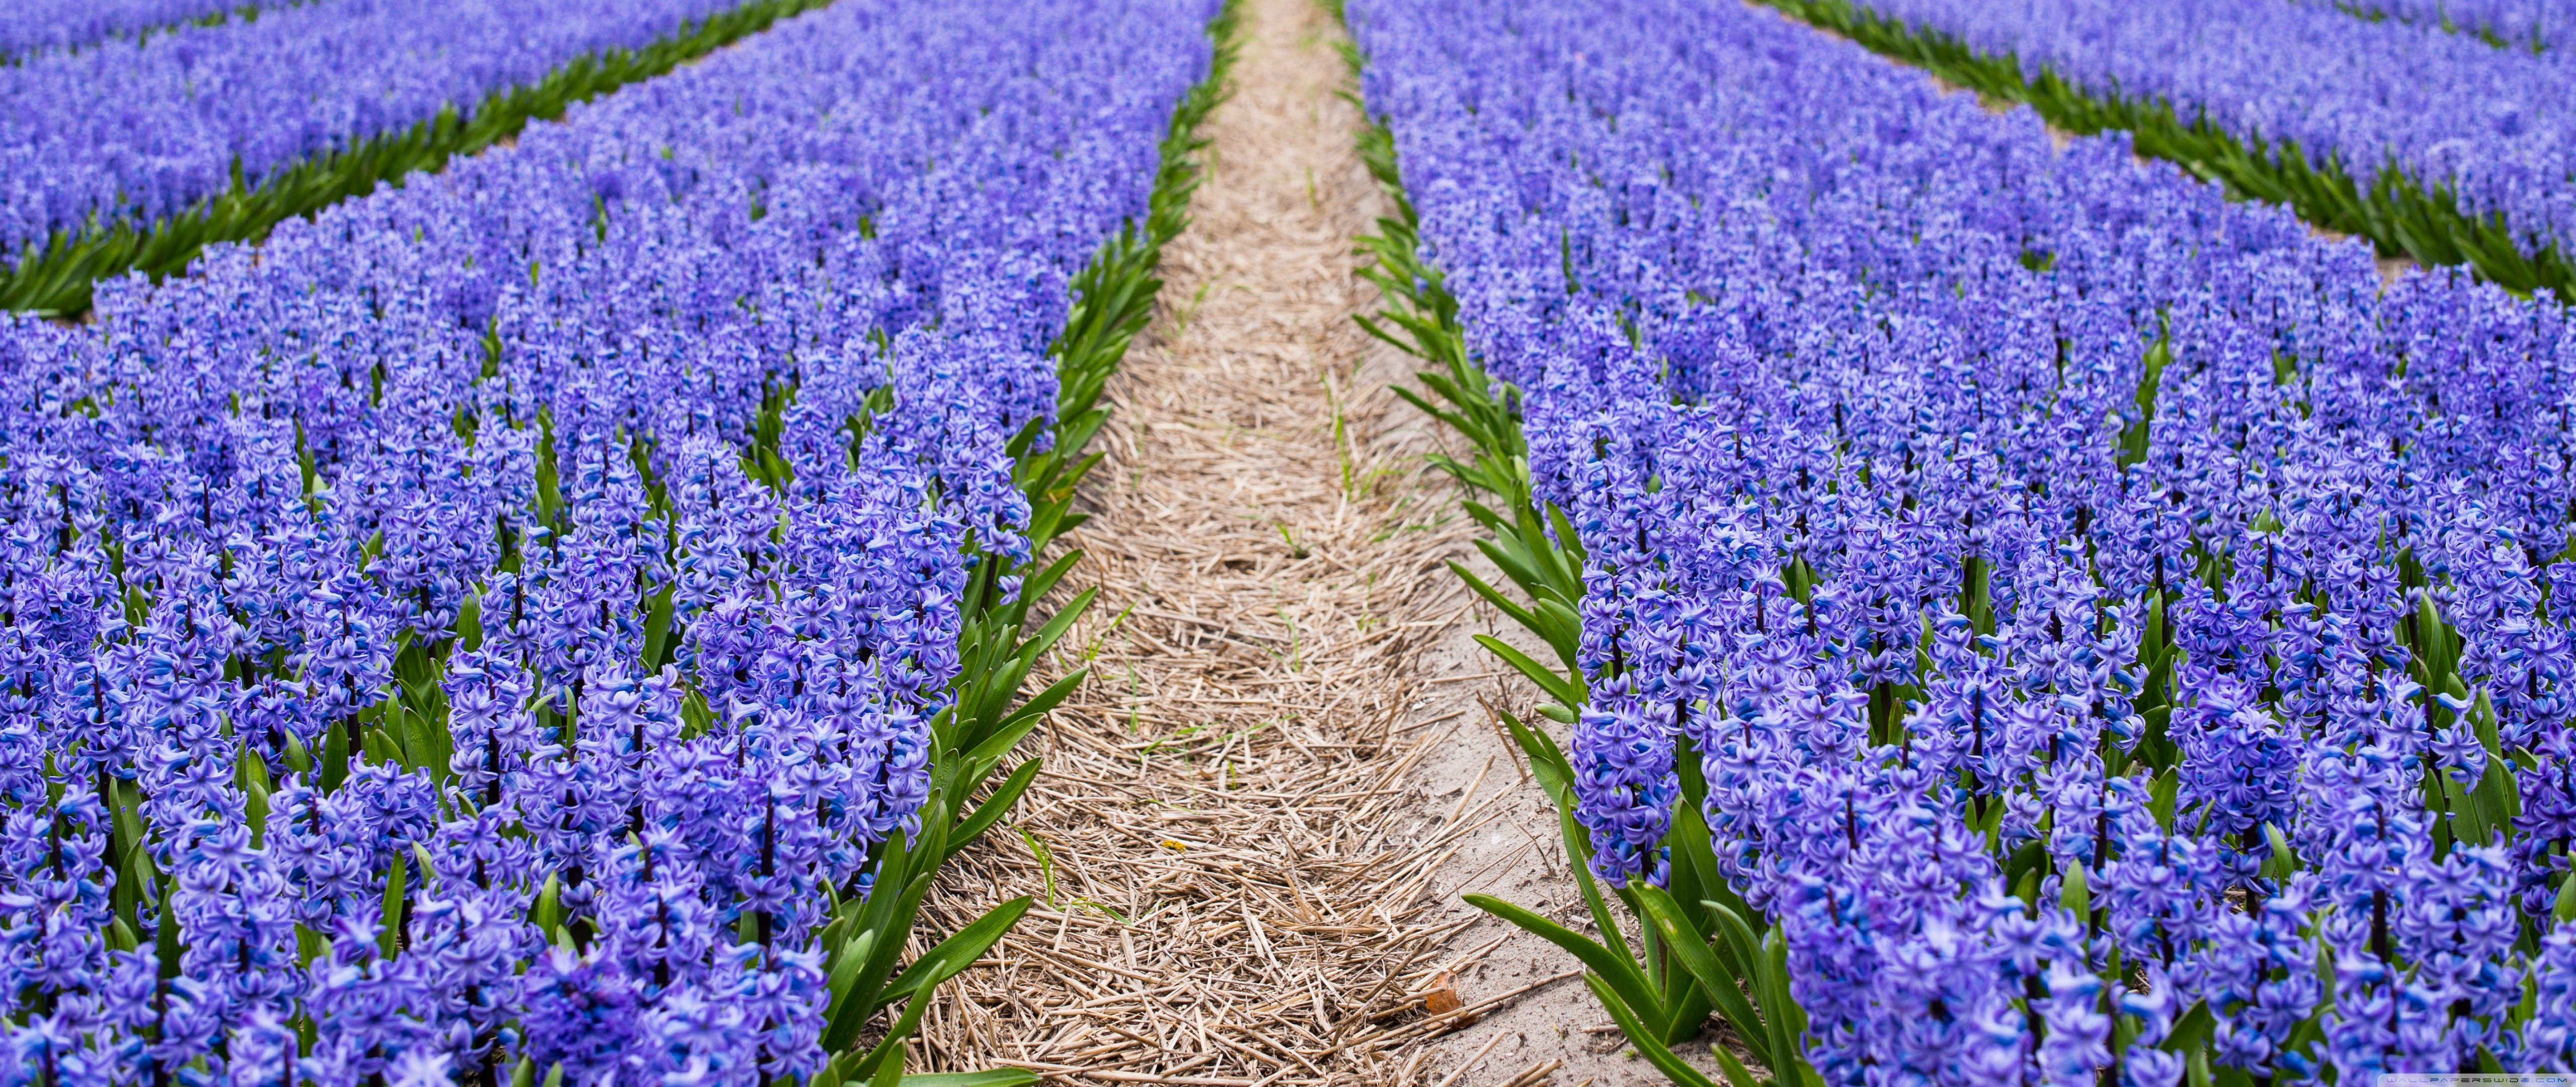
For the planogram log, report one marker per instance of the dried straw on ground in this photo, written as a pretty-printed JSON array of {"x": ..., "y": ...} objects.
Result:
[{"x": 1236, "y": 883}]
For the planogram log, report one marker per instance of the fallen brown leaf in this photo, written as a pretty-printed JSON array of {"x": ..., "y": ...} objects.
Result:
[{"x": 1443, "y": 996}]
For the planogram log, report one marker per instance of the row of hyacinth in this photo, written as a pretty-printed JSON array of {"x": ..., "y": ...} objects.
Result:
[
  {"x": 2521, "y": 24},
  {"x": 137, "y": 130},
  {"x": 2494, "y": 127},
  {"x": 2093, "y": 605},
  {"x": 36, "y": 25},
  {"x": 488, "y": 625}
]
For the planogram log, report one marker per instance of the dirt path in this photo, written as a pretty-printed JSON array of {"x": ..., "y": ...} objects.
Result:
[
  {"x": 1243, "y": 876},
  {"x": 1259, "y": 812}
]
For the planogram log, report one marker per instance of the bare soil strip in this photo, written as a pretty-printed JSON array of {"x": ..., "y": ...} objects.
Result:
[{"x": 1244, "y": 874}]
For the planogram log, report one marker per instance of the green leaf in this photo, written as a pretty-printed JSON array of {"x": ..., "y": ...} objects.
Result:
[
  {"x": 547, "y": 912},
  {"x": 852, "y": 955},
  {"x": 994, "y": 807},
  {"x": 1685, "y": 943},
  {"x": 1769, "y": 989},
  {"x": 168, "y": 946},
  {"x": 1567, "y": 691},
  {"x": 1035, "y": 586},
  {"x": 1623, "y": 975},
  {"x": 1518, "y": 614},
  {"x": 1061, "y": 622},
  {"x": 1563, "y": 629},
  {"x": 1736, "y": 1074},
  {"x": 866, "y": 985},
  {"x": 1036, "y": 705},
  {"x": 1780, "y": 1011},
  {"x": 889, "y": 1049},
  {"x": 890, "y": 1066},
  {"x": 953, "y": 955},
  {"x": 1569, "y": 544},
  {"x": 1648, "y": 1045},
  {"x": 390, "y": 934},
  {"x": 1548, "y": 763},
  {"x": 2073, "y": 894},
  {"x": 657, "y": 632}
]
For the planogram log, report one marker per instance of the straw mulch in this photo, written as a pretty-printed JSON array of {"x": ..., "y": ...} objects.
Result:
[{"x": 1235, "y": 874}]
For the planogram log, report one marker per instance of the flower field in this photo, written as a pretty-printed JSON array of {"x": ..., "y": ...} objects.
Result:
[
  {"x": 495, "y": 628},
  {"x": 2021, "y": 616},
  {"x": 71, "y": 24},
  {"x": 2519, "y": 24},
  {"x": 136, "y": 157},
  {"x": 2439, "y": 145},
  {"x": 535, "y": 537}
]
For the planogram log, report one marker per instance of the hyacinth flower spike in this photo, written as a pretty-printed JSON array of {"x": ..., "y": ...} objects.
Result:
[
  {"x": 1693, "y": 954},
  {"x": 464, "y": 714},
  {"x": 2065, "y": 662}
]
